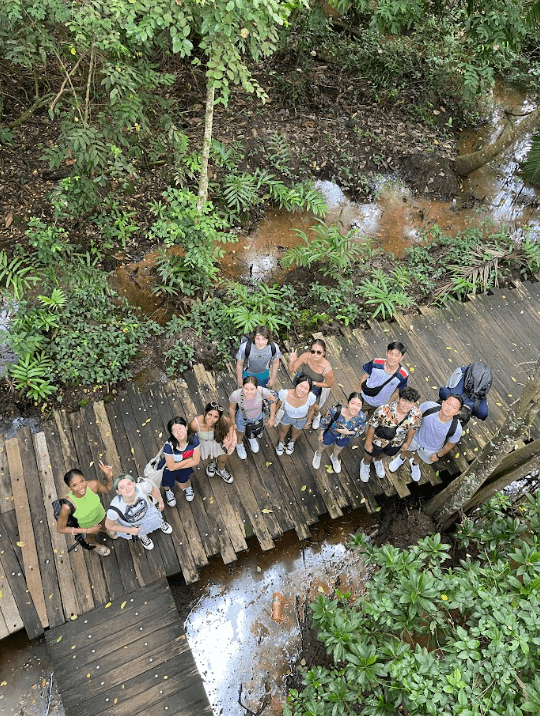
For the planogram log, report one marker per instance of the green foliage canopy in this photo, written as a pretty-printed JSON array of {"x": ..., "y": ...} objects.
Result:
[{"x": 425, "y": 640}]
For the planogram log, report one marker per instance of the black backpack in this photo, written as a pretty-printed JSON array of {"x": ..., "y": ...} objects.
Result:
[
  {"x": 477, "y": 382},
  {"x": 247, "y": 340},
  {"x": 335, "y": 417},
  {"x": 71, "y": 522}
]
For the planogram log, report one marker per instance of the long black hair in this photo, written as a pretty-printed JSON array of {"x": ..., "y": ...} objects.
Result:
[{"x": 178, "y": 420}]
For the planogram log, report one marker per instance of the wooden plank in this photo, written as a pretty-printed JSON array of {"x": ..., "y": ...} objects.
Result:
[
  {"x": 42, "y": 536},
  {"x": 98, "y": 583},
  {"x": 187, "y": 540},
  {"x": 124, "y": 554},
  {"x": 11, "y": 567},
  {"x": 111, "y": 565},
  {"x": 64, "y": 573},
  {"x": 26, "y": 529},
  {"x": 204, "y": 502},
  {"x": 11, "y": 620},
  {"x": 163, "y": 544},
  {"x": 6, "y": 493},
  {"x": 53, "y": 437},
  {"x": 217, "y": 491},
  {"x": 205, "y": 523},
  {"x": 101, "y": 622}
]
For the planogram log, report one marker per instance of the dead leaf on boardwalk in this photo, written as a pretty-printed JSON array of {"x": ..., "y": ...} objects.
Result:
[
  {"x": 123, "y": 605},
  {"x": 266, "y": 512},
  {"x": 328, "y": 468},
  {"x": 355, "y": 447},
  {"x": 20, "y": 544},
  {"x": 268, "y": 464},
  {"x": 108, "y": 605},
  {"x": 59, "y": 639},
  {"x": 73, "y": 617},
  {"x": 303, "y": 488}
]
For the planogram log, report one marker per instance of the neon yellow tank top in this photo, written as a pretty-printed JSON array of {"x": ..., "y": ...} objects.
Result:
[{"x": 88, "y": 509}]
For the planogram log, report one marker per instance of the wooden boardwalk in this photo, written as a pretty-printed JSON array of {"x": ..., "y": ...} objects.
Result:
[
  {"x": 128, "y": 657},
  {"x": 43, "y": 585}
]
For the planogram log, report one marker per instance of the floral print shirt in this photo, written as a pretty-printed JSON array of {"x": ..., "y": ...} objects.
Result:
[
  {"x": 356, "y": 424},
  {"x": 386, "y": 416}
]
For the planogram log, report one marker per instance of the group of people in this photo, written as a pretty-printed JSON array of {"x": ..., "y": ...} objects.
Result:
[{"x": 383, "y": 406}]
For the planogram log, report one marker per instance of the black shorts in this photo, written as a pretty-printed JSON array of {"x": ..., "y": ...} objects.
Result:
[{"x": 388, "y": 450}]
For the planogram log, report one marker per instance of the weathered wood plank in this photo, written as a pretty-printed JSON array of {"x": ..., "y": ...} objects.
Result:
[
  {"x": 6, "y": 493},
  {"x": 26, "y": 529},
  {"x": 64, "y": 572}
]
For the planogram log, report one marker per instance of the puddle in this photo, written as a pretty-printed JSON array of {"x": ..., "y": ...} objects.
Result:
[
  {"x": 25, "y": 678},
  {"x": 230, "y": 629}
]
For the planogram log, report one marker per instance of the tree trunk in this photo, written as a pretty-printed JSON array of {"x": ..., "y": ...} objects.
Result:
[
  {"x": 468, "y": 163},
  {"x": 207, "y": 141},
  {"x": 445, "y": 507}
]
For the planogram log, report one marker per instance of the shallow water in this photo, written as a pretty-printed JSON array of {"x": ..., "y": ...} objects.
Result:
[{"x": 230, "y": 630}]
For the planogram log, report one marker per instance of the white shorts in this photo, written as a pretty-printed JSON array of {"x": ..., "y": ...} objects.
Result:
[{"x": 423, "y": 454}]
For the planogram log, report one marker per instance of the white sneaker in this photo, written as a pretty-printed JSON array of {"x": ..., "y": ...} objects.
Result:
[
  {"x": 146, "y": 542},
  {"x": 379, "y": 468},
  {"x": 165, "y": 528},
  {"x": 396, "y": 463},
  {"x": 225, "y": 476},
  {"x": 241, "y": 451},
  {"x": 316, "y": 422},
  {"x": 336, "y": 465},
  {"x": 170, "y": 499},
  {"x": 415, "y": 470},
  {"x": 253, "y": 444},
  {"x": 316, "y": 462},
  {"x": 280, "y": 448},
  {"x": 211, "y": 469},
  {"x": 290, "y": 448},
  {"x": 364, "y": 471},
  {"x": 189, "y": 493}
]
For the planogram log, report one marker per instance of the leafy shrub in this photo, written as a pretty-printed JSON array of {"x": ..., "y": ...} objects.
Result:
[
  {"x": 431, "y": 641},
  {"x": 383, "y": 295},
  {"x": 332, "y": 251},
  {"x": 270, "y": 306},
  {"x": 180, "y": 357}
]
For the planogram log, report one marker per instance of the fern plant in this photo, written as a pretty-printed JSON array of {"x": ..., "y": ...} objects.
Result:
[
  {"x": 32, "y": 375},
  {"x": 270, "y": 306},
  {"x": 16, "y": 276},
  {"x": 333, "y": 252},
  {"x": 383, "y": 295}
]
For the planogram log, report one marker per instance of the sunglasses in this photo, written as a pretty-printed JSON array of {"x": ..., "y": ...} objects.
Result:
[
  {"x": 316, "y": 353},
  {"x": 216, "y": 406}
]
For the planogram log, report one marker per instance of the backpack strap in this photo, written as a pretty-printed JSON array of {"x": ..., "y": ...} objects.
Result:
[
  {"x": 247, "y": 351},
  {"x": 453, "y": 425},
  {"x": 119, "y": 512},
  {"x": 380, "y": 387},
  {"x": 335, "y": 417}
]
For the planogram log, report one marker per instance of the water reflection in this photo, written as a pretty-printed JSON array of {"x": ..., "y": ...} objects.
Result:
[{"x": 230, "y": 629}]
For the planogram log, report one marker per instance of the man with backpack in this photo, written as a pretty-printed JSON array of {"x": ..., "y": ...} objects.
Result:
[
  {"x": 439, "y": 432},
  {"x": 258, "y": 356},
  {"x": 383, "y": 378},
  {"x": 472, "y": 382}
]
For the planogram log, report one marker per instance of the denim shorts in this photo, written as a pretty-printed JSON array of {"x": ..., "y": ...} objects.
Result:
[
  {"x": 297, "y": 423},
  {"x": 241, "y": 423},
  {"x": 331, "y": 438}
]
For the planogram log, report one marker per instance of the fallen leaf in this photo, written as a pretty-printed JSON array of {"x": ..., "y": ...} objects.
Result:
[
  {"x": 268, "y": 464},
  {"x": 8, "y": 220},
  {"x": 73, "y": 617},
  {"x": 320, "y": 589},
  {"x": 266, "y": 512},
  {"x": 303, "y": 488},
  {"x": 123, "y": 605},
  {"x": 59, "y": 639},
  {"x": 107, "y": 605},
  {"x": 20, "y": 544}
]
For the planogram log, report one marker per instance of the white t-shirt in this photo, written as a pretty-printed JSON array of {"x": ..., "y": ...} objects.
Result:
[{"x": 432, "y": 432}]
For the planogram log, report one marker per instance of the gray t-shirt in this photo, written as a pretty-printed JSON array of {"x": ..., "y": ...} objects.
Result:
[
  {"x": 134, "y": 514},
  {"x": 259, "y": 359},
  {"x": 432, "y": 433}
]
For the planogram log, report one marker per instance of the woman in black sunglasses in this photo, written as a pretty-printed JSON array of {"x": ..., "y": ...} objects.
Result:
[
  {"x": 217, "y": 437},
  {"x": 315, "y": 365}
]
